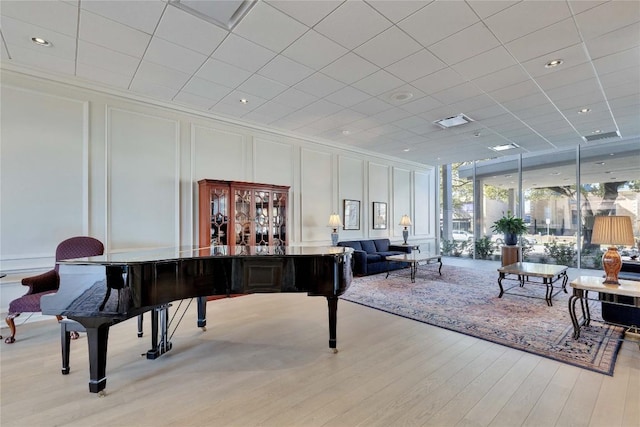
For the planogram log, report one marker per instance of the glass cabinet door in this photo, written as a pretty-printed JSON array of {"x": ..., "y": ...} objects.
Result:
[
  {"x": 219, "y": 200},
  {"x": 243, "y": 217},
  {"x": 261, "y": 219},
  {"x": 279, "y": 219}
]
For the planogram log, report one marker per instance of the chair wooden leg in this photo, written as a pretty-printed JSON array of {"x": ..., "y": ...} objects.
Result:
[{"x": 12, "y": 327}]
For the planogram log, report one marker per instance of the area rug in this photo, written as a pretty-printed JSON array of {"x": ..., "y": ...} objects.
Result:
[{"x": 466, "y": 301}]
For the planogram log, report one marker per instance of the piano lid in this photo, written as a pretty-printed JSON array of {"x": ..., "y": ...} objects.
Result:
[{"x": 193, "y": 252}]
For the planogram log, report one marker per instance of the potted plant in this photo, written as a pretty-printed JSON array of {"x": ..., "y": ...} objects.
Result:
[{"x": 511, "y": 227}]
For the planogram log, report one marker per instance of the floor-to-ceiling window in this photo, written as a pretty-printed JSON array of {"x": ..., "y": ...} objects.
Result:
[{"x": 557, "y": 208}]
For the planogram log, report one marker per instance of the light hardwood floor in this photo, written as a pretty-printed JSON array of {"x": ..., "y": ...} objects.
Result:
[{"x": 264, "y": 360}]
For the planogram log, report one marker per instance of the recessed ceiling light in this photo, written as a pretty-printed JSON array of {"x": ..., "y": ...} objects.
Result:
[
  {"x": 406, "y": 149},
  {"x": 452, "y": 121},
  {"x": 584, "y": 110},
  {"x": 244, "y": 101},
  {"x": 504, "y": 147},
  {"x": 41, "y": 42},
  {"x": 596, "y": 131},
  {"x": 401, "y": 96},
  {"x": 553, "y": 63}
]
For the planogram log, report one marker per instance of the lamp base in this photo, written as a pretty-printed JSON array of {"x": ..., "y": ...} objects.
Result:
[
  {"x": 405, "y": 235},
  {"x": 612, "y": 264},
  {"x": 334, "y": 239}
]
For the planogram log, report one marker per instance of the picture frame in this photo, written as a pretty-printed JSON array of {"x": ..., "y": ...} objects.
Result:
[
  {"x": 379, "y": 220},
  {"x": 351, "y": 214}
]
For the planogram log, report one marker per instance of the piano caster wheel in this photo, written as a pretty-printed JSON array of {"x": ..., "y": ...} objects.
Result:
[
  {"x": 204, "y": 329},
  {"x": 335, "y": 350},
  {"x": 102, "y": 393},
  {"x": 65, "y": 371}
]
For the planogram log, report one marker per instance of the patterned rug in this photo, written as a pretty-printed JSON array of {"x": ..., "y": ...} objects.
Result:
[{"x": 466, "y": 301}]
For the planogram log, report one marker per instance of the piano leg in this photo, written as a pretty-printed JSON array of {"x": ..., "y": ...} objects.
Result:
[
  {"x": 202, "y": 313},
  {"x": 97, "y": 338},
  {"x": 333, "y": 320},
  {"x": 159, "y": 347}
]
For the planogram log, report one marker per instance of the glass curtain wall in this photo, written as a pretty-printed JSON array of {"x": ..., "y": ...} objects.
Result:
[
  {"x": 456, "y": 211},
  {"x": 557, "y": 208}
]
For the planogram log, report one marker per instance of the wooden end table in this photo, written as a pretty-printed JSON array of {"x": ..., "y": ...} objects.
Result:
[
  {"x": 549, "y": 273},
  {"x": 608, "y": 293}
]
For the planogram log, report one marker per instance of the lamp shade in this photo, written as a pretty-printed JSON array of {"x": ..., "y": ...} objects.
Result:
[
  {"x": 334, "y": 221},
  {"x": 405, "y": 221},
  {"x": 612, "y": 230}
]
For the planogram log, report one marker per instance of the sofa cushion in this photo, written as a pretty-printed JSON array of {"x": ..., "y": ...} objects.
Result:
[
  {"x": 390, "y": 253},
  {"x": 368, "y": 246},
  {"x": 382, "y": 245},
  {"x": 374, "y": 258}
]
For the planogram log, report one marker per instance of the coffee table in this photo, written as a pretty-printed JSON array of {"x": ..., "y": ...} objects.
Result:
[
  {"x": 548, "y": 273},
  {"x": 415, "y": 259}
]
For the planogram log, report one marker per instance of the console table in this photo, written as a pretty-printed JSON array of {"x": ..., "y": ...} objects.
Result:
[
  {"x": 415, "y": 259},
  {"x": 608, "y": 293},
  {"x": 549, "y": 273}
]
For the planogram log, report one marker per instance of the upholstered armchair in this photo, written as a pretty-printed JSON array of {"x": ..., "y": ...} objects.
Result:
[{"x": 46, "y": 283}]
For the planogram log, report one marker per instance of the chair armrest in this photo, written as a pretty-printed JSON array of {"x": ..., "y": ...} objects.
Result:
[
  {"x": 43, "y": 282},
  {"x": 400, "y": 248},
  {"x": 360, "y": 262}
]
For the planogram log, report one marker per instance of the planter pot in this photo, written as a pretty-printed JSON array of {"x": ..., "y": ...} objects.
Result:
[{"x": 510, "y": 239}]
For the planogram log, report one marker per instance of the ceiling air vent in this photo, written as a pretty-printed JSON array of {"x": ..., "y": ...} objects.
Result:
[
  {"x": 226, "y": 14},
  {"x": 601, "y": 136},
  {"x": 452, "y": 121}
]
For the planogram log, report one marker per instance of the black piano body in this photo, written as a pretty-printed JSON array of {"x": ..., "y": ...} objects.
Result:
[{"x": 101, "y": 291}]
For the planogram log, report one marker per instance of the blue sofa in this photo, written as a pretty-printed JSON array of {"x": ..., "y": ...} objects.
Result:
[{"x": 369, "y": 255}]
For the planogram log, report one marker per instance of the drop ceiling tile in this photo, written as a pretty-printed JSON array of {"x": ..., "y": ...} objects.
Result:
[
  {"x": 295, "y": 98},
  {"x": 613, "y": 42},
  {"x": 186, "y": 30},
  {"x": 159, "y": 75},
  {"x": 314, "y": 111},
  {"x": 173, "y": 56},
  {"x": 500, "y": 79},
  {"x": 464, "y": 44},
  {"x": 243, "y": 54},
  {"x": 206, "y": 89},
  {"x": 309, "y": 12},
  {"x": 421, "y": 105},
  {"x": 319, "y": 85},
  {"x": 586, "y": 88},
  {"x": 396, "y": 96},
  {"x": 624, "y": 59},
  {"x": 378, "y": 82},
  {"x": 528, "y": 102},
  {"x": 607, "y": 17},
  {"x": 485, "y": 63},
  {"x": 222, "y": 73},
  {"x": 229, "y": 110},
  {"x": 19, "y": 34},
  {"x": 495, "y": 112},
  {"x": 397, "y": 10},
  {"x": 262, "y": 87},
  {"x": 142, "y": 16},
  {"x": 112, "y": 35},
  {"x": 314, "y": 50},
  {"x": 349, "y": 68},
  {"x": 93, "y": 55},
  {"x": 285, "y": 71},
  {"x": 347, "y": 96},
  {"x": 550, "y": 39},
  {"x": 411, "y": 122},
  {"x": 391, "y": 115},
  {"x": 339, "y": 25},
  {"x": 269, "y": 112},
  {"x": 371, "y": 106},
  {"x": 193, "y": 100},
  {"x": 52, "y": 15},
  {"x": 270, "y": 28},
  {"x": 438, "y": 81},
  {"x": 518, "y": 90},
  {"x": 486, "y": 8},
  {"x": 152, "y": 89},
  {"x": 232, "y": 102},
  {"x": 438, "y": 20},
  {"x": 388, "y": 47},
  {"x": 418, "y": 65},
  {"x": 32, "y": 59},
  {"x": 525, "y": 18},
  {"x": 103, "y": 76},
  {"x": 457, "y": 93}
]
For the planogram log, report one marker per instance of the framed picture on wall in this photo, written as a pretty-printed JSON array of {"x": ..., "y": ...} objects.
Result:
[
  {"x": 351, "y": 214},
  {"x": 379, "y": 216}
]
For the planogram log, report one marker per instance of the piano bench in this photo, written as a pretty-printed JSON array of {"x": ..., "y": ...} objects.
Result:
[{"x": 67, "y": 326}]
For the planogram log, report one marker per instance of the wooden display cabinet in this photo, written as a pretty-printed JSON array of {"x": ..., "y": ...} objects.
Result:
[{"x": 234, "y": 213}]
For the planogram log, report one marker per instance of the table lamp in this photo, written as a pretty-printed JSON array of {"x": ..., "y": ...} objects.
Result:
[
  {"x": 612, "y": 230},
  {"x": 334, "y": 222},
  {"x": 405, "y": 221}
]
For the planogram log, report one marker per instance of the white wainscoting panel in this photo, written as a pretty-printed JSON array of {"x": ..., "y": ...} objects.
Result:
[
  {"x": 402, "y": 201},
  {"x": 43, "y": 176},
  {"x": 424, "y": 203},
  {"x": 218, "y": 154},
  {"x": 273, "y": 162},
  {"x": 142, "y": 184},
  {"x": 351, "y": 186},
  {"x": 378, "y": 192},
  {"x": 315, "y": 196}
]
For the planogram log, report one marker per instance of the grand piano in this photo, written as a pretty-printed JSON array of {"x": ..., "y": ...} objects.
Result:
[{"x": 101, "y": 291}]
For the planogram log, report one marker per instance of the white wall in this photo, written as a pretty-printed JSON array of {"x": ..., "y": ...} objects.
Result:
[{"x": 77, "y": 161}]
